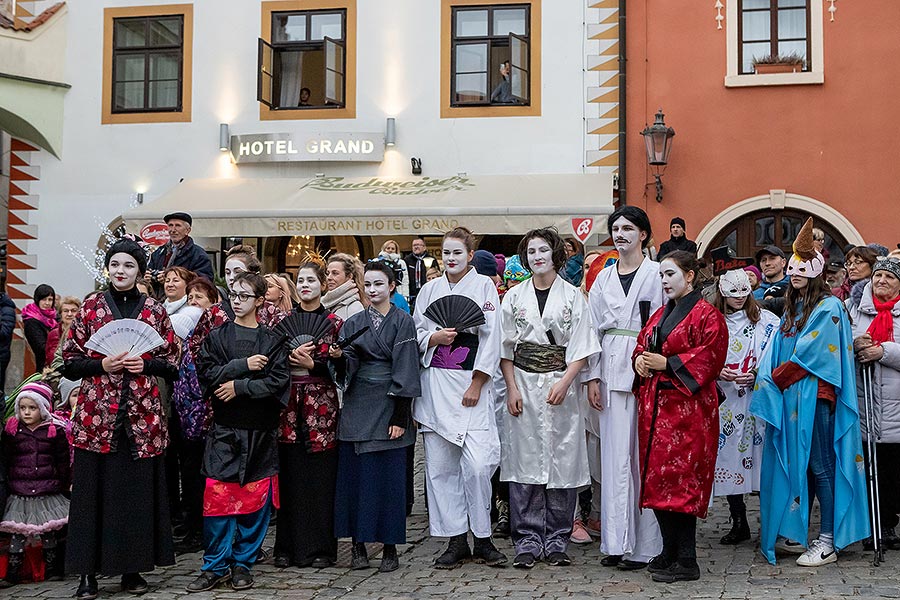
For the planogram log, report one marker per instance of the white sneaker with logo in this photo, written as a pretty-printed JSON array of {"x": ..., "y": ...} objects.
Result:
[
  {"x": 818, "y": 554},
  {"x": 786, "y": 546}
]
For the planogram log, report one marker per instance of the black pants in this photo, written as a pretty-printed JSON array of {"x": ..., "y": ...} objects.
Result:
[
  {"x": 736, "y": 504},
  {"x": 192, "y": 483},
  {"x": 888, "y": 483},
  {"x": 679, "y": 534}
]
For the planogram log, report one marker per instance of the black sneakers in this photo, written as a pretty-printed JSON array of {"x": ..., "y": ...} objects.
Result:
[
  {"x": 133, "y": 583},
  {"x": 524, "y": 560}
]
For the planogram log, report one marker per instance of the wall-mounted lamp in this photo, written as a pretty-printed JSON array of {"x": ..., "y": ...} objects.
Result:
[
  {"x": 390, "y": 132},
  {"x": 224, "y": 138},
  {"x": 140, "y": 197},
  {"x": 416, "y": 164},
  {"x": 658, "y": 139}
]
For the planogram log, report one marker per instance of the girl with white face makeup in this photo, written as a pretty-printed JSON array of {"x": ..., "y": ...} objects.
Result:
[
  {"x": 307, "y": 441},
  {"x": 119, "y": 464},
  {"x": 679, "y": 354},
  {"x": 546, "y": 340},
  {"x": 456, "y": 410}
]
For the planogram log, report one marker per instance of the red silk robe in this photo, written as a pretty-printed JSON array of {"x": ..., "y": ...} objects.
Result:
[{"x": 678, "y": 409}]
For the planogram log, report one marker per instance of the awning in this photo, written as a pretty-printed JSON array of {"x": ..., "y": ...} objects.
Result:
[{"x": 497, "y": 204}]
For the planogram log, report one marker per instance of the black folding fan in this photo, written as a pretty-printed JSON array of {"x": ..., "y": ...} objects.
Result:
[
  {"x": 303, "y": 327},
  {"x": 455, "y": 311}
]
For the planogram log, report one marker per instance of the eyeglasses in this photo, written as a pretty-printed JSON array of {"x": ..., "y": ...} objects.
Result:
[
  {"x": 241, "y": 297},
  {"x": 854, "y": 263}
]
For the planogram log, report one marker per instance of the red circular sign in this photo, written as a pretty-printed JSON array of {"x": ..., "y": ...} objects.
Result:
[{"x": 155, "y": 234}]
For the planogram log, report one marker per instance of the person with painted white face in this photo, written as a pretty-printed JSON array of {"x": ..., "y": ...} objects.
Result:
[
  {"x": 739, "y": 460},
  {"x": 547, "y": 338},
  {"x": 119, "y": 517},
  {"x": 806, "y": 394},
  {"x": 679, "y": 354},
  {"x": 307, "y": 441},
  {"x": 629, "y": 537},
  {"x": 456, "y": 410},
  {"x": 243, "y": 372},
  {"x": 377, "y": 365}
]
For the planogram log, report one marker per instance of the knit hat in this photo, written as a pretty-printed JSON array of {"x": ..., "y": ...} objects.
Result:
[
  {"x": 891, "y": 265},
  {"x": 878, "y": 249},
  {"x": 755, "y": 270},
  {"x": 42, "y": 395},
  {"x": 678, "y": 221},
  {"x": 65, "y": 389},
  {"x": 484, "y": 263},
  {"x": 514, "y": 270},
  {"x": 130, "y": 247},
  {"x": 806, "y": 260},
  {"x": 501, "y": 262}
]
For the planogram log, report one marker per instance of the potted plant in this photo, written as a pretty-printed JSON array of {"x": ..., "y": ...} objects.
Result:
[{"x": 779, "y": 63}]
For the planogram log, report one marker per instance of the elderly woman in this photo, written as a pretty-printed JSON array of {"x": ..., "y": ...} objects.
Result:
[
  {"x": 876, "y": 329},
  {"x": 858, "y": 262}
]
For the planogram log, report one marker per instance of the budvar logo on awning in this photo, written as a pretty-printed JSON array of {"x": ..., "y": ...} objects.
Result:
[
  {"x": 403, "y": 187},
  {"x": 287, "y": 147}
]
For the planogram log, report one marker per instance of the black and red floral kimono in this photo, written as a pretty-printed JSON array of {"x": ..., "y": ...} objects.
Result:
[
  {"x": 678, "y": 414},
  {"x": 119, "y": 515},
  {"x": 308, "y": 461}
]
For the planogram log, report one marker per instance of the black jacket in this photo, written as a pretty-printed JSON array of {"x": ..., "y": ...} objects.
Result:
[
  {"x": 192, "y": 257},
  {"x": 7, "y": 325},
  {"x": 673, "y": 244},
  {"x": 36, "y": 335},
  {"x": 416, "y": 283}
]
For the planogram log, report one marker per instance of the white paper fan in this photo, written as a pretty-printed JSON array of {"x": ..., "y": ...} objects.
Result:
[
  {"x": 124, "y": 335},
  {"x": 184, "y": 321}
]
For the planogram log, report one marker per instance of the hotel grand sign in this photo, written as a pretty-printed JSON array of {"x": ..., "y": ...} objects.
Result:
[{"x": 314, "y": 147}]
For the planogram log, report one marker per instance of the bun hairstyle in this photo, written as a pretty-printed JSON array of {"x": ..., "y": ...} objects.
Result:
[
  {"x": 316, "y": 268},
  {"x": 463, "y": 234},
  {"x": 549, "y": 235},
  {"x": 382, "y": 267},
  {"x": 247, "y": 255}
]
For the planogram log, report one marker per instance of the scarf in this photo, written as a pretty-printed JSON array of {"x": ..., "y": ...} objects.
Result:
[
  {"x": 175, "y": 306},
  {"x": 882, "y": 327},
  {"x": 47, "y": 317},
  {"x": 343, "y": 295}
]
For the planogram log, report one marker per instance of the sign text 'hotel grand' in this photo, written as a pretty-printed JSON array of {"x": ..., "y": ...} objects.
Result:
[{"x": 313, "y": 147}]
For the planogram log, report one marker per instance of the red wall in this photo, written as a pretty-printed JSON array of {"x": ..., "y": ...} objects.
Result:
[{"x": 838, "y": 142}]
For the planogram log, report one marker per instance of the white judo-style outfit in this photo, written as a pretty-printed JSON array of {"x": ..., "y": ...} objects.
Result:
[
  {"x": 626, "y": 530},
  {"x": 741, "y": 435},
  {"x": 462, "y": 447}
]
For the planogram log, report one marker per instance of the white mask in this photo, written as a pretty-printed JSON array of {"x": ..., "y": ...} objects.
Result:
[
  {"x": 123, "y": 271},
  {"x": 376, "y": 286},
  {"x": 308, "y": 285},
  {"x": 233, "y": 266},
  {"x": 540, "y": 256},
  {"x": 625, "y": 235},
  {"x": 735, "y": 284},
  {"x": 455, "y": 256},
  {"x": 674, "y": 281}
]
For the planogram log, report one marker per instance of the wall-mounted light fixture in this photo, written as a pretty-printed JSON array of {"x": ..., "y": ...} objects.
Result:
[
  {"x": 416, "y": 164},
  {"x": 224, "y": 138},
  {"x": 139, "y": 197},
  {"x": 658, "y": 139},
  {"x": 390, "y": 132}
]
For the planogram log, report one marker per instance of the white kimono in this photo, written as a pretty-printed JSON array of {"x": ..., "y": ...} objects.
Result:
[
  {"x": 626, "y": 530},
  {"x": 545, "y": 444},
  {"x": 741, "y": 436}
]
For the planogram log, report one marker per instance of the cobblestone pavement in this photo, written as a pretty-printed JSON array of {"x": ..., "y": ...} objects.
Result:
[{"x": 728, "y": 573}]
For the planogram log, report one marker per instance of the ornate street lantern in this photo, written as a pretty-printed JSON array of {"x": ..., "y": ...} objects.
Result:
[{"x": 658, "y": 139}]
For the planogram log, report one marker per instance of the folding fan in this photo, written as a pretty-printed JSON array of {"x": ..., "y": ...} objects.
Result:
[
  {"x": 124, "y": 335},
  {"x": 455, "y": 311},
  {"x": 303, "y": 327},
  {"x": 184, "y": 321}
]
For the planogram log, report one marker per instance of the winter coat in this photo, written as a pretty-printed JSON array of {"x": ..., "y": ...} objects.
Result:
[
  {"x": 192, "y": 257},
  {"x": 36, "y": 334},
  {"x": 7, "y": 325},
  {"x": 37, "y": 461},
  {"x": 886, "y": 377}
]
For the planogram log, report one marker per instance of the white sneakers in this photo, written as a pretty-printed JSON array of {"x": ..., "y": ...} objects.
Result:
[
  {"x": 786, "y": 546},
  {"x": 819, "y": 553}
]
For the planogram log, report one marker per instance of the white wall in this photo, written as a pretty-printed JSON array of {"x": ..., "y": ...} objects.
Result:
[{"x": 398, "y": 74}]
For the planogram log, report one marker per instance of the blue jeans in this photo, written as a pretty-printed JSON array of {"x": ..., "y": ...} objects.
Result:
[
  {"x": 822, "y": 464},
  {"x": 234, "y": 541}
]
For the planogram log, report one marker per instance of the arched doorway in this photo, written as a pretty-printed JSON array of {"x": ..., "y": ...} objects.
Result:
[{"x": 753, "y": 231}]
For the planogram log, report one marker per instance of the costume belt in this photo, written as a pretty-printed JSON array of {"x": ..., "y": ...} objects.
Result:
[
  {"x": 625, "y": 332},
  {"x": 540, "y": 358},
  {"x": 376, "y": 370}
]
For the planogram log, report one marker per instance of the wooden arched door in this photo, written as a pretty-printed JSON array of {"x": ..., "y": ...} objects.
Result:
[{"x": 754, "y": 231}]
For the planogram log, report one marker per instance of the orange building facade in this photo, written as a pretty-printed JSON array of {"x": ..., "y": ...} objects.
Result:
[{"x": 754, "y": 154}]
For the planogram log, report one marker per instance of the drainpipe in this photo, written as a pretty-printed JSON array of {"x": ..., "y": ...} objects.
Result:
[{"x": 622, "y": 105}]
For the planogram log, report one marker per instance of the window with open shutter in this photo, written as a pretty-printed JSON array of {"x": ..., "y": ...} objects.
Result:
[
  {"x": 334, "y": 72},
  {"x": 518, "y": 68},
  {"x": 265, "y": 82}
]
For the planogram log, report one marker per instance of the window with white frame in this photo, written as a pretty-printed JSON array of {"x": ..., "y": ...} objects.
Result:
[{"x": 773, "y": 30}]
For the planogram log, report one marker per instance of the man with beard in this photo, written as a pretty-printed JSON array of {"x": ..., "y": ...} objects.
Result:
[{"x": 621, "y": 299}]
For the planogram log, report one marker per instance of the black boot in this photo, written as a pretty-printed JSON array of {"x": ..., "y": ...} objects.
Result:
[
  {"x": 457, "y": 553},
  {"x": 501, "y": 529},
  {"x": 87, "y": 588},
  {"x": 53, "y": 569},
  {"x": 389, "y": 560},
  {"x": 13, "y": 570},
  {"x": 485, "y": 552},
  {"x": 740, "y": 530},
  {"x": 359, "y": 557}
]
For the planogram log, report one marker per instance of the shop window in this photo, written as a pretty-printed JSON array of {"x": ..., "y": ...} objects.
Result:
[
  {"x": 306, "y": 60},
  {"x": 304, "y": 65},
  {"x": 147, "y": 64},
  {"x": 490, "y": 58},
  {"x": 773, "y": 28}
]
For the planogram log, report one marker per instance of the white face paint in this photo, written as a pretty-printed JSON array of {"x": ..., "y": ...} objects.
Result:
[
  {"x": 626, "y": 235},
  {"x": 456, "y": 257},
  {"x": 308, "y": 285},
  {"x": 540, "y": 256},
  {"x": 377, "y": 289},
  {"x": 242, "y": 299},
  {"x": 123, "y": 271},
  {"x": 676, "y": 283},
  {"x": 233, "y": 266}
]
